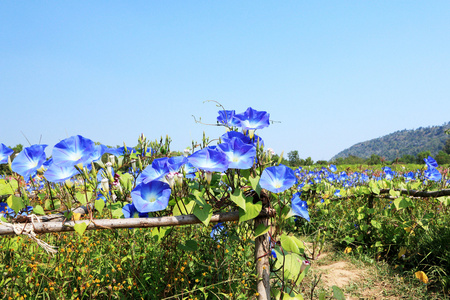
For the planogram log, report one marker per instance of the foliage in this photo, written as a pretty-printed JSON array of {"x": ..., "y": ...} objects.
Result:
[{"x": 400, "y": 143}]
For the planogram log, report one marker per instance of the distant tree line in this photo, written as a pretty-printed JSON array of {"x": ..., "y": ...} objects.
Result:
[{"x": 442, "y": 158}]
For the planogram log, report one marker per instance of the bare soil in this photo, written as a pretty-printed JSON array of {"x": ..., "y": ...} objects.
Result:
[{"x": 356, "y": 282}]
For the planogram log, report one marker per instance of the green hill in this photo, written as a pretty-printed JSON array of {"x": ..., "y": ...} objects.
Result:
[{"x": 399, "y": 143}]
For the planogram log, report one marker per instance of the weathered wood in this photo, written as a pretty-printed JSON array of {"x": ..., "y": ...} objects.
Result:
[
  {"x": 262, "y": 253},
  {"x": 423, "y": 194},
  {"x": 97, "y": 224}
]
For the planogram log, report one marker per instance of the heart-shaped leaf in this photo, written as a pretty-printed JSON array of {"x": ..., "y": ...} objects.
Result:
[
  {"x": 80, "y": 228},
  {"x": 203, "y": 213}
]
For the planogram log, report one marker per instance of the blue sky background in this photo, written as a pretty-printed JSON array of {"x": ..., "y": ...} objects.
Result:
[{"x": 333, "y": 73}]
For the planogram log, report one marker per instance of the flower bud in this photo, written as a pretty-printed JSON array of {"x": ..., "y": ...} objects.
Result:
[
  {"x": 305, "y": 263},
  {"x": 179, "y": 179},
  {"x": 208, "y": 177},
  {"x": 105, "y": 185},
  {"x": 68, "y": 183}
]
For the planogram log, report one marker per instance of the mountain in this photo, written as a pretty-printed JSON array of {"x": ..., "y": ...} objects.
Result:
[{"x": 400, "y": 143}]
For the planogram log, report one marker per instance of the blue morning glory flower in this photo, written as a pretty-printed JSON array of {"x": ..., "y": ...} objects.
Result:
[
  {"x": 173, "y": 164},
  {"x": 29, "y": 160},
  {"x": 431, "y": 162},
  {"x": 190, "y": 170},
  {"x": 129, "y": 211},
  {"x": 240, "y": 155},
  {"x": 299, "y": 207},
  {"x": 3, "y": 208},
  {"x": 73, "y": 150},
  {"x": 226, "y": 117},
  {"x": 273, "y": 253},
  {"x": 432, "y": 174},
  {"x": 226, "y": 137},
  {"x": 333, "y": 168},
  {"x": 11, "y": 213},
  {"x": 152, "y": 196},
  {"x": 152, "y": 173},
  {"x": 116, "y": 151},
  {"x": 389, "y": 173},
  {"x": 409, "y": 176},
  {"x": 277, "y": 179},
  {"x": 56, "y": 173},
  {"x": 253, "y": 119},
  {"x": 217, "y": 231},
  {"x": 98, "y": 152},
  {"x": 209, "y": 160},
  {"x": 5, "y": 152}
]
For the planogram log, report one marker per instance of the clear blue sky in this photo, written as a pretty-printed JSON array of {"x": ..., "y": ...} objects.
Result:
[{"x": 333, "y": 73}]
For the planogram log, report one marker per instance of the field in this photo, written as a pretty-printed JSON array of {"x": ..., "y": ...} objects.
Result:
[{"x": 107, "y": 223}]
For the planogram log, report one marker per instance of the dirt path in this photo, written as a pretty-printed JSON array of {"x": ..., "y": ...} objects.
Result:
[{"x": 356, "y": 282}]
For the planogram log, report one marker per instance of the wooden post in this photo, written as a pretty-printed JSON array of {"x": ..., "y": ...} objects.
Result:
[{"x": 262, "y": 253}]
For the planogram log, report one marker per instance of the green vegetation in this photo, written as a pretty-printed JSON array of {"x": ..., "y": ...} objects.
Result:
[{"x": 402, "y": 144}]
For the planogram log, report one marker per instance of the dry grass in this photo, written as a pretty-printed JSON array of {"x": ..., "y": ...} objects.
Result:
[{"x": 361, "y": 278}]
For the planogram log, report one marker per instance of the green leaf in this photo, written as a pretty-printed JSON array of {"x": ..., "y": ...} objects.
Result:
[
  {"x": 191, "y": 245},
  {"x": 337, "y": 293},
  {"x": 49, "y": 203},
  {"x": 402, "y": 202},
  {"x": 252, "y": 212},
  {"x": 7, "y": 188},
  {"x": 375, "y": 224},
  {"x": 16, "y": 203},
  {"x": 444, "y": 200},
  {"x": 81, "y": 198},
  {"x": 117, "y": 213},
  {"x": 126, "y": 181},
  {"x": 38, "y": 210},
  {"x": 374, "y": 187},
  {"x": 292, "y": 244},
  {"x": 286, "y": 296},
  {"x": 99, "y": 205},
  {"x": 365, "y": 190},
  {"x": 197, "y": 196},
  {"x": 322, "y": 295},
  {"x": 260, "y": 230},
  {"x": 203, "y": 213},
  {"x": 238, "y": 198},
  {"x": 255, "y": 184},
  {"x": 292, "y": 264},
  {"x": 80, "y": 228},
  {"x": 185, "y": 209},
  {"x": 394, "y": 193},
  {"x": 245, "y": 173}
]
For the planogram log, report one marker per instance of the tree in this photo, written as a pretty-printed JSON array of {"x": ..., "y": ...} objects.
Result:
[
  {"x": 309, "y": 161},
  {"x": 407, "y": 159},
  {"x": 276, "y": 158},
  {"x": 294, "y": 159},
  {"x": 374, "y": 160},
  {"x": 442, "y": 158},
  {"x": 447, "y": 146},
  {"x": 420, "y": 156}
]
